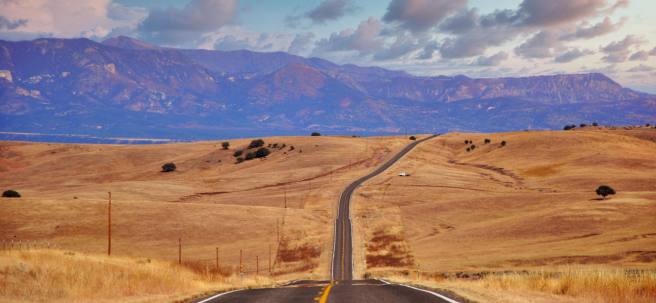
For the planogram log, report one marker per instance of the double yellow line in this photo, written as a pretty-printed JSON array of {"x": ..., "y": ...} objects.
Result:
[{"x": 325, "y": 293}]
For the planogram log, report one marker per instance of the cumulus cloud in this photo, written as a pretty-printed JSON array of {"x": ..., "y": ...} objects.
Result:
[
  {"x": 619, "y": 51},
  {"x": 421, "y": 15},
  {"x": 493, "y": 60},
  {"x": 604, "y": 27},
  {"x": 540, "y": 45},
  {"x": 230, "y": 38},
  {"x": 640, "y": 56},
  {"x": 364, "y": 40},
  {"x": 301, "y": 43},
  {"x": 330, "y": 10},
  {"x": 402, "y": 45},
  {"x": 327, "y": 10},
  {"x": 428, "y": 51},
  {"x": 556, "y": 12},
  {"x": 175, "y": 26},
  {"x": 572, "y": 55},
  {"x": 462, "y": 22},
  {"x": 65, "y": 18}
]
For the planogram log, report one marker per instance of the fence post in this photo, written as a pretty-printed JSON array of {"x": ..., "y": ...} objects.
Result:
[
  {"x": 257, "y": 266},
  {"x": 217, "y": 261},
  {"x": 109, "y": 224},
  {"x": 179, "y": 250},
  {"x": 241, "y": 265}
]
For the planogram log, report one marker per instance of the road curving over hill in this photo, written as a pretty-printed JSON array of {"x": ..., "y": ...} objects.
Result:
[{"x": 342, "y": 288}]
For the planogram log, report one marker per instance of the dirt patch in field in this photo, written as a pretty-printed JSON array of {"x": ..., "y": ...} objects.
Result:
[{"x": 387, "y": 250}]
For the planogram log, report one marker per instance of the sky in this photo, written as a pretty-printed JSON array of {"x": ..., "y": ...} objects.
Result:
[{"x": 477, "y": 38}]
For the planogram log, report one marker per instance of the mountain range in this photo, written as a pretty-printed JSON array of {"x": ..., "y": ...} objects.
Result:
[{"x": 126, "y": 87}]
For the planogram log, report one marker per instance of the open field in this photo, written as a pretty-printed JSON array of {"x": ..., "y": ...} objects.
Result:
[
  {"x": 208, "y": 202},
  {"x": 529, "y": 205}
]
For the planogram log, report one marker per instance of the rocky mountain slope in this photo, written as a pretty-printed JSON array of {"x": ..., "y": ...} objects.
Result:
[{"x": 126, "y": 87}]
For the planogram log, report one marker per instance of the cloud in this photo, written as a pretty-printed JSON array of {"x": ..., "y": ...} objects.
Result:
[
  {"x": 402, "y": 45},
  {"x": 639, "y": 56},
  {"x": 10, "y": 25},
  {"x": 329, "y": 10},
  {"x": 301, "y": 43},
  {"x": 230, "y": 38},
  {"x": 65, "y": 18},
  {"x": 462, "y": 22},
  {"x": 604, "y": 27},
  {"x": 572, "y": 55},
  {"x": 364, "y": 40},
  {"x": 473, "y": 43},
  {"x": 557, "y": 12},
  {"x": 641, "y": 69},
  {"x": 653, "y": 52},
  {"x": 428, "y": 51},
  {"x": 619, "y": 51},
  {"x": 493, "y": 60},
  {"x": 540, "y": 45},
  {"x": 174, "y": 26},
  {"x": 421, "y": 15}
]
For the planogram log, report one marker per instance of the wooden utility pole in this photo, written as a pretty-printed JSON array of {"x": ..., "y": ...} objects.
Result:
[
  {"x": 217, "y": 260},
  {"x": 257, "y": 266},
  {"x": 269, "y": 259},
  {"x": 285, "y": 194},
  {"x": 241, "y": 258},
  {"x": 179, "y": 250},
  {"x": 109, "y": 225},
  {"x": 278, "y": 230}
]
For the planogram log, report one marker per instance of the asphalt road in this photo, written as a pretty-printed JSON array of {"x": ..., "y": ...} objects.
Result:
[
  {"x": 342, "y": 288},
  {"x": 342, "y": 265}
]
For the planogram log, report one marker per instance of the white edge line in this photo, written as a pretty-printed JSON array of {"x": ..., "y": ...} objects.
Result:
[
  {"x": 432, "y": 293},
  {"x": 218, "y": 295}
]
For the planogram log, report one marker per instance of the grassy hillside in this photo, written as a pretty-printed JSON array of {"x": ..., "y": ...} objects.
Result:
[
  {"x": 528, "y": 205},
  {"x": 209, "y": 201}
]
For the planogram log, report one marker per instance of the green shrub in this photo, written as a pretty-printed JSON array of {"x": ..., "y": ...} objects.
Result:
[
  {"x": 503, "y": 143},
  {"x": 413, "y": 138},
  {"x": 250, "y": 156},
  {"x": 262, "y": 152},
  {"x": 168, "y": 167},
  {"x": 225, "y": 145},
  {"x": 315, "y": 134},
  {"x": 605, "y": 190},
  {"x": 11, "y": 194},
  {"x": 488, "y": 141},
  {"x": 238, "y": 153},
  {"x": 256, "y": 143}
]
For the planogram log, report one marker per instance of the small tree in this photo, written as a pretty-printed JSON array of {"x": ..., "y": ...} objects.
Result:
[
  {"x": 595, "y": 124},
  {"x": 239, "y": 160},
  {"x": 503, "y": 143},
  {"x": 225, "y": 145},
  {"x": 413, "y": 138},
  {"x": 249, "y": 156},
  {"x": 168, "y": 167},
  {"x": 487, "y": 141},
  {"x": 11, "y": 194},
  {"x": 238, "y": 153},
  {"x": 583, "y": 125},
  {"x": 569, "y": 127},
  {"x": 466, "y": 141},
  {"x": 262, "y": 152},
  {"x": 256, "y": 143},
  {"x": 315, "y": 134},
  {"x": 605, "y": 190}
]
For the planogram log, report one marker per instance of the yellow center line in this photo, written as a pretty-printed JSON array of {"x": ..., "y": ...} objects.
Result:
[{"x": 324, "y": 296}]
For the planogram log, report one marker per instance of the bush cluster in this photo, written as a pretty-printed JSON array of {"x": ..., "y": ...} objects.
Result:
[
  {"x": 11, "y": 194},
  {"x": 168, "y": 167}
]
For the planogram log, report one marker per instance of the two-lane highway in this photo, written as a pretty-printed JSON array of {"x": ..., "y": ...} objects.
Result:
[
  {"x": 342, "y": 265},
  {"x": 342, "y": 288}
]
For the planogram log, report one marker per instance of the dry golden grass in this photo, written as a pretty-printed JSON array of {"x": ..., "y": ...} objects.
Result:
[
  {"x": 64, "y": 276},
  {"x": 526, "y": 206},
  {"x": 560, "y": 284},
  {"x": 208, "y": 201}
]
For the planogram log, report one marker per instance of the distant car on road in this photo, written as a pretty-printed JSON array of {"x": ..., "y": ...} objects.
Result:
[{"x": 404, "y": 174}]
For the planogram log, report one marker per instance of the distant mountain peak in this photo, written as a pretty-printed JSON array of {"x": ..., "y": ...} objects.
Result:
[{"x": 128, "y": 43}]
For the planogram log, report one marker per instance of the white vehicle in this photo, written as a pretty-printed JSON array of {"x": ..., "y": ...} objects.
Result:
[{"x": 404, "y": 174}]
